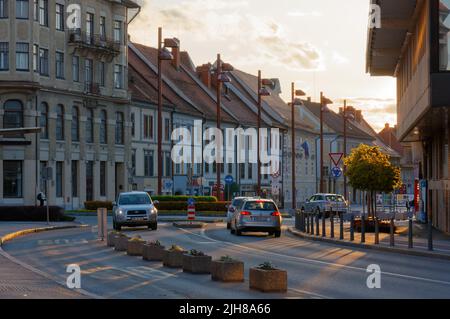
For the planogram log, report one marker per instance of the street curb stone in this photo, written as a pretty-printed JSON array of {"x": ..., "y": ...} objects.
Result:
[{"x": 367, "y": 246}]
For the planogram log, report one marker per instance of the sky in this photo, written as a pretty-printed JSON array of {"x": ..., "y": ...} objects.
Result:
[{"x": 318, "y": 44}]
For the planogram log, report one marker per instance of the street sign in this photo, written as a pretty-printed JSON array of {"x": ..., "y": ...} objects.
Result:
[
  {"x": 336, "y": 158},
  {"x": 229, "y": 180},
  {"x": 191, "y": 201},
  {"x": 336, "y": 172},
  {"x": 168, "y": 184}
]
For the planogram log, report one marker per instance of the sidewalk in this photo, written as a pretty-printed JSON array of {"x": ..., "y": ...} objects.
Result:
[
  {"x": 18, "y": 281},
  {"x": 441, "y": 242}
]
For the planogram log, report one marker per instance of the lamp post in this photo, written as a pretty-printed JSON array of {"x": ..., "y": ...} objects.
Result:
[
  {"x": 346, "y": 117},
  {"x": 163, "y": 55},
  {"x": 323, "y": 108},
  {"x": 262, "y": 91},
  {"x": 221, "y": 77},
  {"x": 295, "y": 102}
]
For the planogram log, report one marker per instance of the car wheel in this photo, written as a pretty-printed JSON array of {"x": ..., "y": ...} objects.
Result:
[
  {"x": 232, "y": 231},
  {"x": 228, "y": 225},
  {"x": 118, "y": 227},
  {"x": 318, "y": 212},
  {"x": 278, "y": 233},
  {"x": 238, "y": 232},
  {"x": 153, "y": 226}
]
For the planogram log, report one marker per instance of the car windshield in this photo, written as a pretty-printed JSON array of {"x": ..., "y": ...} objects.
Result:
[
  {"x": 260, "y": 205},
  {"x": 237, "y": 202},
  {"x": 134, "y": 199}
]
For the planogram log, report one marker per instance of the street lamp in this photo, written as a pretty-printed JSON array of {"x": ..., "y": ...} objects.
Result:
[
  {"x": 262, "y": 91},
  {"x": 221, "y": 77},
  {"x": 295, "y": 102},
  {"x": 346, "y": 117},
  {"x": 163, "y": 55},
  {"x": 324, "y": 101}
]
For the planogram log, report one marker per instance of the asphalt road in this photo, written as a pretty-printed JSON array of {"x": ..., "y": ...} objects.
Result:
[{"x": 315, "y": 270}]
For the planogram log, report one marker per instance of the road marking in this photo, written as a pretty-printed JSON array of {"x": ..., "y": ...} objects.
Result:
[
  {"x": 322, "y": 262},
  {"x": 48, "y": 242},
  {"x": 309, "y": 293}
]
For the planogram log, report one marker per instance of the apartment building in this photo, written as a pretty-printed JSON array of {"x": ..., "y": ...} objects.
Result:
[
  {"x": 412, "y": 45},
  {"x": 71, "y": 82}
]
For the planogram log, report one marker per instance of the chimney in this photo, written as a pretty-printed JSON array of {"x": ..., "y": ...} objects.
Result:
[
  {"x": 176, "y": 57},
  {"x": 358, "y": 116},
  {"x": 309, "y": 99},
  {"x": 204, "y": 72},
  {"x": 386, "y": 126},
  {"x": 341, "y": 110}
]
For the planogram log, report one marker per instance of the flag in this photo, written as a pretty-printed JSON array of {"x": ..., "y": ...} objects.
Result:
[{"x": 305, "y": 147}]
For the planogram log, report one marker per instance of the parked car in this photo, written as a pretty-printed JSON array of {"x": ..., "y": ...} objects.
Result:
[
  {"x": 324, "y": 203},
  {"x": 235, "y": 204},
  {"x": 135, "y": 209},
  {"x": 257, "y": 215}
]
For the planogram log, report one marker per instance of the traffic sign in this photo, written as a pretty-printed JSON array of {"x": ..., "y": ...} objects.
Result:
[
  {"x": 336, "y": 158},
  {"x": 229, "y": 180},
  {"x": 336, "y": 172},
  {"x": 191, "y": 201}
]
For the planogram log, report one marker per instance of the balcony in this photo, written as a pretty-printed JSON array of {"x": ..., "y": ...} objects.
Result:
[
  {"x": 92, "y": 88},
  {"x": 95, "y": 44},
  {"x": 129, "y": 3}
]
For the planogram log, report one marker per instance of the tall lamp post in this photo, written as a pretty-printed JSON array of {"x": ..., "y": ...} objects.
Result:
[
  {"x": 262, "y": 91},
  {"x": 345, "y": 117},
  {"x": 163, "y": 55},
  {"x": 221, "y": 77},
  {"x": 295, "y": 102},
  {"x": 324, "y": 101}
]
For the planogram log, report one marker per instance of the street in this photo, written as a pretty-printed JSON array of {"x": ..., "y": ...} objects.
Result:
[{"x": 315, "y": 270}]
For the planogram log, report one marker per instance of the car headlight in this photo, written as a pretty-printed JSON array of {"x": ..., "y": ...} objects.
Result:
[{"x": 119, "y": 212}]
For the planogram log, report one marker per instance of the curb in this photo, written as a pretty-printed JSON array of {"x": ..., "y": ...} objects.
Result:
[
  {"x": 24, "y": 232},
  {"x": 367, "y": 246}
]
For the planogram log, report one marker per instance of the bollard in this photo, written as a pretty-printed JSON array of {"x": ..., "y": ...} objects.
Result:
[
  {"x": 363, "y": 228},
  {"x": 317, "y": 226},
  {"x": 352, "y": 228},
  {"x": 307, "y": 223},
  {"x": 341, "y": 226},
  {"x": 312, "y": 224},
  {"x": 430, "y": 235},
  {"x": 331, "y": 224},
  {"x": 410, "y": 233},
  {"x": 324, "y": 228},
  {"x": 392, "y": 243},
  {"x": 377, "y": 232}
]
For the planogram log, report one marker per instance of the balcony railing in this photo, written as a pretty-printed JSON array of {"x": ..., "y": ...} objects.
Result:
[
  {"x": 92, "y": 88},
  {"x": 93, "y": 41}
]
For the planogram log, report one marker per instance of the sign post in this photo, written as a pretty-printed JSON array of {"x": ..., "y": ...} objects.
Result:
[
  {"x": 229, "y": 180},
  {"x": 191, "y": 209}
]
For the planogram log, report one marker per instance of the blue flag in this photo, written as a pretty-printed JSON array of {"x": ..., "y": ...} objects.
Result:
[{"x": 305, "y": 147}]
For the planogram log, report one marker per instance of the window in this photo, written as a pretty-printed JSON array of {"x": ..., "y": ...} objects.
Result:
[
  {"x": 60, "y": 65},
  {"x": 133, "y": 161},
  {"x": 90, "y": 28},
  {"x": 43, "y": 62},
  {"x": 167, "y": 164},
  {"x": 88, "y": 75},
  {"x": 59, "y": 122},
  {"x": 13, "y": 114},
  {"x": 35, "y": 58},
  {"x": 12, "y": 179},
  {"x": 148, "y": 163},
  {"x": 118, "y": 76},
  {"x": 103, "y": 127},
  {"x": 133, "y": 124},
  {"x": 43, "y": 120},
  {"x": 59, "y": 179},
  {"x": 89, "y": 126},
  {"x": 22, "y": 9},
  {"x": 242, "y": 171},
  {"x": 250, "y": 171},
  {"x": 59, "y": 17},
  {"x": 101, "y": 73},
  {"x": 167, "y": 129},
  {"x": 119, "y": 128},
  {"x": 102, "y": 178},
  {"x": 22, "y": 56},
  {"x": 43, "y": 183},
  {"x": 117, "y": 31},
  {"x": 148, "y": 127},
  {"x": 103, "y": 28},
  {"x": 4, "y": 56},
  {"x": 89, "y": 180},
  {"x": 74, "y": 169},
  {"x": 36, "y": 10},
  {"x": 43, "y": 13},
  {"x": 3, "y": 8},
  {"x": 76, "y": 68},
  {"x": 207, "y": 168},
  {"x": 75, "y": 124}
]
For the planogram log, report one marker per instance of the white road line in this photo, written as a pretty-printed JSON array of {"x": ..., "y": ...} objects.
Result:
[{"x": 322, "y": 262}]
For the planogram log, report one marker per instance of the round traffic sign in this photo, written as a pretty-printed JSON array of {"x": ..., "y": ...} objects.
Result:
[
  {"x": 336, "y": 172},
  {"x": 229, "y": 180}
]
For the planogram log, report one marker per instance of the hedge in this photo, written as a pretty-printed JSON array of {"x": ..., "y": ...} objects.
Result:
[
  {"x": 200, "y": 206},
  {"x": 94, "y": 205},
  {"x": 183, "y": 198},
  {"x": 32, "y": 213}
]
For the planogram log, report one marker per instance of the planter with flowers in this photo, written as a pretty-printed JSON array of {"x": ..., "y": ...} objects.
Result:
[
  {"x": 135, "y": 246},
  {"x": 173, "y": 257},
  {"x": 153, "y": 251},
  {"x": 227, "y": 269},
  {"x": 267, "y": 278},
  {"x": 111, "y": 238},
  {"x": 196, "y": 262},
  {"x": 121, "y": 242}
]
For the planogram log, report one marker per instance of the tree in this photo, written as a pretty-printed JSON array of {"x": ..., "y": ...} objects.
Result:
[{"x": 368, "y": 169}]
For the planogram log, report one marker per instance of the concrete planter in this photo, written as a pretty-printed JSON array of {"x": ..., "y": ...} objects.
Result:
[
  {"x": 268, "y": 280},
  {"x": 173, "y": 259},
  {"x": 153, "y": 252},
  {"x": 135, "y": 248},
  {"x": 121, "y": 243},
  {"x": 227, "y": 271},
  {"x": 197, "y": 264},
  {"x": 111, "y": 239}
]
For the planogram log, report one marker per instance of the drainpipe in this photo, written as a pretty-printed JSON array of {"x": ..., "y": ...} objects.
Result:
[{"x": 36, "y": 139}]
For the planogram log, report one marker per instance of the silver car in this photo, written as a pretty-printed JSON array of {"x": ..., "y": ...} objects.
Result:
[
  {"x": 257, "y": 215},
  {"x": 235, "y": 204},
  {"x": 135, "y": 209},
  {"x": 325, "y": 203}
]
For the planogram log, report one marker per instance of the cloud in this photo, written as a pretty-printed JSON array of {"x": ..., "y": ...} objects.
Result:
[{"x": 305, "y": 14}]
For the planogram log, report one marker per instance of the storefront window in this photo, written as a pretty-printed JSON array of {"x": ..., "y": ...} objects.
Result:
[{"x": 12, "y": 179}]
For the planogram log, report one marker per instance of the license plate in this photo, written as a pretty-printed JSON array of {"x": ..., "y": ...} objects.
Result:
[
  {"x": 260, "y": 219},
  {"x": 138, "y": 218}
]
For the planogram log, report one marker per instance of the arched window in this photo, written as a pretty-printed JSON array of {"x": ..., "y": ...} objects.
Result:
[
  {"x": 75, "y": 124},
  {"x": 89, "y": 126},
  {"x": 60, "y": 122},
  {"x": 119, "y": 128},
  {"x": 103, "y": 127},
  {"x": 13, "y": 116},
  {"x": 43, "y": 120}
]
